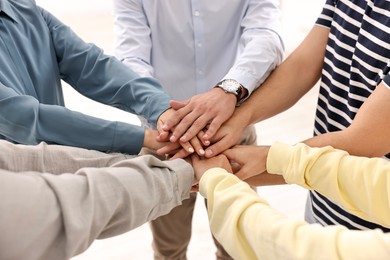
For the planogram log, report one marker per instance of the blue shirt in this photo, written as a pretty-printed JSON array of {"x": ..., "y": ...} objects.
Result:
[
  {"x": 37, "y": 52},
  {"x": 191, "y": 45}
]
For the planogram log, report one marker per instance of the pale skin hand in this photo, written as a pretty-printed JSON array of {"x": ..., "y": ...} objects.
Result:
[
  {"x": 171, "y": 148},
  {"x": 204, "y": 111},
  {"x": 228, "y": 135},
  {"x": 150, "y": 140}
]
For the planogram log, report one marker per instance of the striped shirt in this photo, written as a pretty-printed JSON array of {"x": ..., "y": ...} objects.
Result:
[{"x": 357, "y": 59}]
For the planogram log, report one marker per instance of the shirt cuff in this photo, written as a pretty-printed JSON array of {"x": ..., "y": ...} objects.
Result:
[
  {"x": 210, "y": 178},
  {"x": 278, "y": 158},
  {"x": 185, "y": 176}
]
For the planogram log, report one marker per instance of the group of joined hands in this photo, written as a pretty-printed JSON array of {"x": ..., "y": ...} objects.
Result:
[{"x": 205, "y": 132}]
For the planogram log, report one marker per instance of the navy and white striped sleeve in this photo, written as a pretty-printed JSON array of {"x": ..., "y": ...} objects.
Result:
[{"x": 326, "y": 16}]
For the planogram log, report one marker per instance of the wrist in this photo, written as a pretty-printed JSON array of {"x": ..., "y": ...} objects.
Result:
[
  {"x": 149, "y": 138},
  {"x": 232, "y": 86}
]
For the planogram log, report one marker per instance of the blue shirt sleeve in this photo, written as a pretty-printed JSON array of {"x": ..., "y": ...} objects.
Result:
[{"x": 31, "y": 100}]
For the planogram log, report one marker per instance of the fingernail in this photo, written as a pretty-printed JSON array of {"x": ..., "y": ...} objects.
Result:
[
  {"x": 172, "y": 139},
  {"x": 183, "y": 138},
  {"x": 207, "y": 142},
  {"x": 209, "y": 152},
  {"x": 201, "y": 151},
  {"x": 191, "y": 150},
  {"x": 165, "y": 126}
]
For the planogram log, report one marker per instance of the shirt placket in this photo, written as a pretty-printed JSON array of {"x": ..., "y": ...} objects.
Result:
[
  {"x": 14, "y": 59},
  {"x": 200, "y": 56}
]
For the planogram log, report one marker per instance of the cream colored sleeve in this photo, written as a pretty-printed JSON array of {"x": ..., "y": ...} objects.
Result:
[
  {"x": 47, "y": 216},
  {"x": 249, "y": 228},
  {"x": 361, "y": 185}
]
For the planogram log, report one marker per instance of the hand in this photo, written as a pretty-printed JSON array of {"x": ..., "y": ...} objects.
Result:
[
  {"x": 151, "y": 142},
  {"x": 171, "y": 148},
  {"x": 251, "y": 160},
  {"x": 210, "y": 109},
  {"x": 202, "y": 165},
  {"x": 164, "y": 136},
  {"x": 227, "y": 136}
]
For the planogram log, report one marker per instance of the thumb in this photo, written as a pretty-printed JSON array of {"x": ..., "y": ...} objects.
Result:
[{"x": 231, "y": 155}]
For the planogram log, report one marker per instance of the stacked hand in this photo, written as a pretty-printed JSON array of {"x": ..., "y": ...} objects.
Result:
[
  {"x": 201, "y": 165},
  {"x": 246, "y": 162},
  {"x": 202, "y": 124}
]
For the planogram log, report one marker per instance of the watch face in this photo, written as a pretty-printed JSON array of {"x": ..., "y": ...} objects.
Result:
[{"x": 231, "y": 86}]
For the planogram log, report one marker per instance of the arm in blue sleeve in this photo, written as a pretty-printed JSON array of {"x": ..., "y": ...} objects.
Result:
[
  {"x": 35, "y": 122},
  {"x": 104, "y": 78}
]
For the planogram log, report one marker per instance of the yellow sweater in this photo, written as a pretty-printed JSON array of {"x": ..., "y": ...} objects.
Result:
[{"x": 249, "y": 228}]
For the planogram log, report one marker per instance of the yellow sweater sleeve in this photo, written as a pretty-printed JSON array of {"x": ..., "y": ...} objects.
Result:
[
  {"x": 249, "y": 228},
  {"x": 361, "y": 185}
]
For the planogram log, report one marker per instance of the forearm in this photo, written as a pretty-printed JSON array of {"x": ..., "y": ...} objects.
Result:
[
  {"x": 289, "y": 81},
  {"x": 104, "y": 202},
  {"x": 249, "y": 228},
  {"x": 265, "y": 179},
  {"x": 367, "y": 134},
  {"x": 54, "y": 159},
  {"x": 359, "y": 184},
  {"x": 91, "y": 72}
]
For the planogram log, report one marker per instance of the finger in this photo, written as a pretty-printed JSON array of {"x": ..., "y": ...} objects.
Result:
[
  {"x": 187, "y": 146},
  {"x": 163, "y": 136},
  {"x": 198, "y": 125},
  {"x": 168, "y": 149},
  {"x": 200, "y": 135},
  {"x": 183, "y": 126},
  {"x": 182, "y": 153},
  {"x": 219, "y": 146},
  {"x": 212, "y": 129},
  {"x": 175, "y": 118},
  {"x": 196, "y": 144}
]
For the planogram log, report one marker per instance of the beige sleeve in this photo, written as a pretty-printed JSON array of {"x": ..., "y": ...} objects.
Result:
[
  {"x": 361, "y": 185},
  {"x": 249, "y": 228},
  {"x": 46, "y": 216},
  {"x": 54, "y": 159}
]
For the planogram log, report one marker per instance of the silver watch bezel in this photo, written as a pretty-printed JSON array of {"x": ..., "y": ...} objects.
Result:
[{"x": 230, "y": 86}]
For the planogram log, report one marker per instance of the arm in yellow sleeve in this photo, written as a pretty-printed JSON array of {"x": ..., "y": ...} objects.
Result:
[
  {"x": 249, "y": 228},
  {"x": 361, "y": 185}
]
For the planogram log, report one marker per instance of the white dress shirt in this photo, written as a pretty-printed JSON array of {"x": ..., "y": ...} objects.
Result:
[{"x": 189, "y": 46}]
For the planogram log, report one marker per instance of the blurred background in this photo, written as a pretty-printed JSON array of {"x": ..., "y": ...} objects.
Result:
[{"x": 92, "y": 20}]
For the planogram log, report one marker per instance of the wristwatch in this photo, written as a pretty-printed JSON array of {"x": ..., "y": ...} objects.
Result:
[{"x": 231, "y": 86}]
